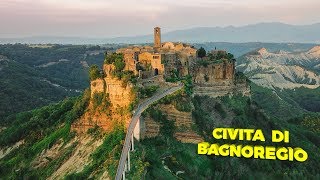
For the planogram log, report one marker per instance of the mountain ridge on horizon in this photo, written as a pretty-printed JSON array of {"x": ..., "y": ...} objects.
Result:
[{"x": 273, "y": 32}]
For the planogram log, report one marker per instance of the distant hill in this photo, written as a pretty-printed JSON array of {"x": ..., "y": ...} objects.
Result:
[
  {"x": 31, "y": 77},
  {"x": 239, "y": 49},
  {"x": 282, "y": 69},
  {"x": 262, "y": 32},
  {"x": 23, "y": 88}
]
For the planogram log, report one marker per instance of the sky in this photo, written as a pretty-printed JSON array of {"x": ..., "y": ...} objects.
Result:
[{"x": 115, "y": 18}]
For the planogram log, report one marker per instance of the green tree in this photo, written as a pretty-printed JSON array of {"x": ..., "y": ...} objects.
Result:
[
  {"x": 201, "y": 52},
  {"x": 111, "y": 58},
  {"x": 119, "y": 64},
  {"x": 230, "y": 56},
  {"x": 94, "y": 72}
]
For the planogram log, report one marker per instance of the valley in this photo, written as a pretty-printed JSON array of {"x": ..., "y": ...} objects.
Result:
[{"x": 80, "y": 134}]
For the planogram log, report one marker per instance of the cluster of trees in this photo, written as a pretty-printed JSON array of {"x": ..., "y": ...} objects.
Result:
[
  {"x": 27, "y": 125},
  {"x": 293, "y": 102},
  {"x": 306, "y": 98},
  {"x": 113, "y": 57},
  {"x": 145, "y": 92},
  {"x": 24, "y": 88},
  {"x": 220, "y": 55},
  {"x": 118, "y": 61},
  {"x": 201, "y": 52}
]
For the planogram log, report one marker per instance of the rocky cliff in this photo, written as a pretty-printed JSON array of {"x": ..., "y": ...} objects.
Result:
[
  {"x": 183, "y": 125},
  {"x": 109, "y": 103}
]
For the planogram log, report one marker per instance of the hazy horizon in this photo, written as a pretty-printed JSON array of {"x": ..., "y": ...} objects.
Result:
[{"x": 116, "y": 18}]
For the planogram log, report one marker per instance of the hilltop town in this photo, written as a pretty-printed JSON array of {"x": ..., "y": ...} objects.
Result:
[
  {"x": 178, "y": 59},
  {"x": 132, "y": 74}
]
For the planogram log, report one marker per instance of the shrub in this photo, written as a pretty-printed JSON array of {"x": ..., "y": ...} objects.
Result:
[
  {"x": 147, "y": 91},
  {"x": 94, "y": 72},
  {"x": 119, "y": 64},
  {"x": 188, "y": 85},
  {"x": 201, "y": 52},
  {"x": 101, "y": 99},
  {"x": 206, "y": 78},
  {"x": 111, "y": 58}
]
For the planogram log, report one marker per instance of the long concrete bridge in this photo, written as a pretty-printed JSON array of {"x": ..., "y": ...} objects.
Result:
[{"x": 124, "y": 163}]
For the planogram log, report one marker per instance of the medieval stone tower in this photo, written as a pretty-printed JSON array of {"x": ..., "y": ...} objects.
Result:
[{"x": 157, "y": 37}]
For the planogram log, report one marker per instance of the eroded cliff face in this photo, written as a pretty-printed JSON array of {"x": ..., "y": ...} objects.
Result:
[
  {"x": 97, "y": 86},
  {"x": 218, "y": 79},
  {"x": 223, "y": 90},
  {"x": 213, "y": 74},
  {"x": 109, "y": 103},
  {"x": 183, "y": 125},
  {"x": 184, "y": 131}
]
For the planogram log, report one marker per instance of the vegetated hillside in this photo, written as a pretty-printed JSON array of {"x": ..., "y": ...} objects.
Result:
[
  {"x": 23, "y": 88},
  {"x": 286, "y": 103},
  {"x": 36, "y": 75},
  {"x": 40, "y": 144},
  {"x": 282, "y": 69},
  {"x": 44, "y": 146},
  {"x": 165, "y": 157}
]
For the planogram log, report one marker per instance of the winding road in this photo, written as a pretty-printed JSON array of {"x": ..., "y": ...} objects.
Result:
[{"x": 137, "y": 113}]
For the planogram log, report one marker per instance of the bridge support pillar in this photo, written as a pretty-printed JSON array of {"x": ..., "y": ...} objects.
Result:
[
  {"x": 128, "y": 160},
  {"x": 137, "y": 129},
  {"x": 132, "y": 143}
]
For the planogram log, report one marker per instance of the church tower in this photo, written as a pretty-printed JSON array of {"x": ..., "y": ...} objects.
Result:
[{"x": 157, "y": 37}]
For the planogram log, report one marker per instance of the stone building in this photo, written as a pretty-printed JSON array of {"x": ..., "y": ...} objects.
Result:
[
  {"x": 169, "y": 57},
  {"x": 161, "y": 59}
]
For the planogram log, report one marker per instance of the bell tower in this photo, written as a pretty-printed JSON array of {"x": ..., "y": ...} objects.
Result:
[{"x": 157, "y": 37}]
